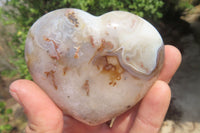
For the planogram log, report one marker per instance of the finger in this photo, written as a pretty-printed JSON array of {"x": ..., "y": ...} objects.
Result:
[
  {"x": 123, "y": 123},
  {"x": 152, "y": 109},
  {"x": 74, "y": 126},
  {"x": 171, "y": 63},
  {"x": 43, "y": 115}
]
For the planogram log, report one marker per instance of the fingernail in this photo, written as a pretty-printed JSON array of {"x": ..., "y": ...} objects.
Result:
[{"x": 15, "y": 96}]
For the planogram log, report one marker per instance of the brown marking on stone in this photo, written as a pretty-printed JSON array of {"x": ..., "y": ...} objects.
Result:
[
  {"x": 92, "y": 41},
  {"x": 114, "y": 84},
  {"x": 76, "y": 53},
  {"x": 105, "y": 45},
  {"x": 65, "y": 70},
  {"x": 110, "y": 66},
  {"x": 92, "y": 60},
  {"x": 115, "y": 70},
  {"x": 72, "y": 18},
  {"x": 101, "y": 48},
  {"x": 86, "y": 87},
  {"x": 119, "y": 77},
  {"x": 54, "y": 57},
  {"x": 51, "y": 74},
  {"x": 108, "y": 45},
  {"x": 57, "y": 57},
  {"x": 46, "y": 39}
]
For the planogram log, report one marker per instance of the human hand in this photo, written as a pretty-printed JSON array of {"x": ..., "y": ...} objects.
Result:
[{"x": 147, "y": 116}]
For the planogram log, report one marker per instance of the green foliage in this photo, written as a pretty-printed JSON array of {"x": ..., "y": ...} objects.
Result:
[
  {"x": 173, "y": 9},
  {"x": 5, "y": 115},
  {"x": 144, "y": 8},
  {"x": 23, "y": 13},
  {"x": 183, "y": 5}
]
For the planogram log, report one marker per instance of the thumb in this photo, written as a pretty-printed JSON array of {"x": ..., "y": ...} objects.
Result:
[{"x": 43, "y": 115}]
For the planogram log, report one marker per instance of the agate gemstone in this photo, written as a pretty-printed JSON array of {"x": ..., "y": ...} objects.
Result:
[{"x": 94, "y": 67}]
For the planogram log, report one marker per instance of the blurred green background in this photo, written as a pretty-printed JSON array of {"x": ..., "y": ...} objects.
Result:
[{"x": 173, "y": 18}]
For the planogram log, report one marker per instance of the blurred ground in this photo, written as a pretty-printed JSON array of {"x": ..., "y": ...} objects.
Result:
[{"x": 170, "y": 126}]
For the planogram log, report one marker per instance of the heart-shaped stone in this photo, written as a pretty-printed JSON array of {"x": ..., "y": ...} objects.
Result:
[{"x": 94, "y": 68}]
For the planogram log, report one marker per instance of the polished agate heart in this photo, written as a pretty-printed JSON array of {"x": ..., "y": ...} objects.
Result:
[{"x": 94, "y": 68}]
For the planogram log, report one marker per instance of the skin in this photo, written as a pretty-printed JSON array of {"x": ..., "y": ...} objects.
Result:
[{"x": 147, "y": 116}]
